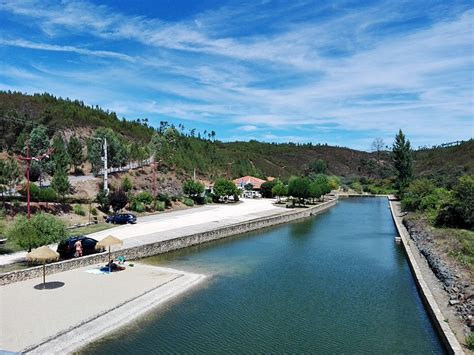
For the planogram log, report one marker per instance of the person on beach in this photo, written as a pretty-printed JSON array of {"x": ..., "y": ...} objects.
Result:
[
  {"x": 78, "y": 246},
  {"x": 113, "y": 266}
]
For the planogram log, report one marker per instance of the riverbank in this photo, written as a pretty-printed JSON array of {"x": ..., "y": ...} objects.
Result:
[
  {"x": 430, "y": 288},
  {"x": 182, "y": 230},
  {"x": 82, "y": 305}
]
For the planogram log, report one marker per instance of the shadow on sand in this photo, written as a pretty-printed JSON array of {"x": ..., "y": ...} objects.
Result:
[{"x": 49, "y": 285}]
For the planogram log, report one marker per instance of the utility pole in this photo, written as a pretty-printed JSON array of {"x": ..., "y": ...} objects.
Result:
[
  {"x": 153, "y": 166},
  {"x": 106, "y": 181},
  {"x": 28, "y": 160}
]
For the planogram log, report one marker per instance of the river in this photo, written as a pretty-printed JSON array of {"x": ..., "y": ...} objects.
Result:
[{"x": 334, "y": 283}]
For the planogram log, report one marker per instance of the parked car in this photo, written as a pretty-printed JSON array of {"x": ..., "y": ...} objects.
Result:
[
  {"x": 67, "y": 250},
  {"x": 122, "y": 218}
]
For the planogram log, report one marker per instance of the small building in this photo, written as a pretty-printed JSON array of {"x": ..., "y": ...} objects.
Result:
[{"x": 256, "y": 182}]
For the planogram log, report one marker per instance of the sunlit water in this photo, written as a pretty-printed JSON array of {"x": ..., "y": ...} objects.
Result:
[{"x": 335, "y": 283}]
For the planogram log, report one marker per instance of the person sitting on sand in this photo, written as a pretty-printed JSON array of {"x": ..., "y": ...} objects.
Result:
[{"x": 113, "y": 266}]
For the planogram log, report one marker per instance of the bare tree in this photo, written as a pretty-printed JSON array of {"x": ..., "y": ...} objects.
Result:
[{"x": 377, "y": 146}]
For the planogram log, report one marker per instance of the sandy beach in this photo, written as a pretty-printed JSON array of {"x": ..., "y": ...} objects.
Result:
[{"x": 82, "y": 305}]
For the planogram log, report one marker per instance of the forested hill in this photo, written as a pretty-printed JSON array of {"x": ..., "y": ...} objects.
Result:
[{"x": 203, "y": 152}]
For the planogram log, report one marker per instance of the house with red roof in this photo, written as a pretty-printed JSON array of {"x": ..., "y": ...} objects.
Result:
[{"x": 256, "y": 182}]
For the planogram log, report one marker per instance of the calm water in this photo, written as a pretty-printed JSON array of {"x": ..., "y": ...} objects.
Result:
[{"x": 336, "y": 283}]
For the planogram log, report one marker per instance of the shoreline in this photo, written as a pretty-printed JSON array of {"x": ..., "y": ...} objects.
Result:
[
  {"x": 453, "y": 346},
  {"x": 82, "y": 306},
  {"x": 169, "y": 240}
]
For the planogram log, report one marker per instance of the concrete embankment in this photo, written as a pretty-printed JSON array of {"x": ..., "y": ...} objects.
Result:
[
  {"x": 185, "y": 237},
  {"x": 449, "y": 339}
]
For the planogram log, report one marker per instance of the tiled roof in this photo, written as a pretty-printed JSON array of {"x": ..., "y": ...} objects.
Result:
[{"x": 256, "y": 182}]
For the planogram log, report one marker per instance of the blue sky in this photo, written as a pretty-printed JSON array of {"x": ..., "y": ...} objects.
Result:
[{"x": 336, "y": 72}]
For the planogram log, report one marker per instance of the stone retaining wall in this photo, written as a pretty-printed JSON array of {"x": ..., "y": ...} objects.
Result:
[
  {"x": 445, "y": 332},
  {"x": 151, "y": 249}
]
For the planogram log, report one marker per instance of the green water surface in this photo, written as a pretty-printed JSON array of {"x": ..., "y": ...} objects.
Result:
[{"x": 335, "y": 283}]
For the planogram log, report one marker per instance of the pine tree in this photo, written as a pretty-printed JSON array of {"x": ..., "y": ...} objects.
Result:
[
  {"x": 402, "y": 161},
  {"x": 74, "y": 150}
]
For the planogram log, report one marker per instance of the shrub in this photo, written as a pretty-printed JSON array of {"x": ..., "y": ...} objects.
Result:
[
  {"x": 48, "y": 195},
  {"x": 164, "y": 198},
  {"x": 188, "y": 202},
  {"x": 79, "y": 210},
  {"x": 144, "y": 197},
  {"x": 94, "y": 211},
  {"x": 470, "y": 341},
  {"x": 159, "y": 206},
  {"x": 415, "y": 192},
  {"x": 208, "y": 198},
  {"x": 40, "y": 230},
  {"x": 137, "y": 206},
  {"x": 127, "y": 184},
  {"x": 357, "y": 187}
]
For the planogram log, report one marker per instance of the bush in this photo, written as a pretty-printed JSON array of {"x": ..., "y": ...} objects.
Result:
[
  {"x": 127, "y": 184},
  {"x": 94, "y": 211},
  {"x": 415, "y": 192},
  {"x": 41, "y": 229},
  {"x": 357, "y": 187},
  {"x": 164, "y": 198},
  {"x": 48, "y": 195},
  {"x": 79, "y": 210},
  {"x": 137, "y": 206},
  {"x": 208, "y": 198},
  {"x": 470, "y": 341},
  {"x": 159, "y": 206},
  {"x": 144, "y": 197},
  {"x": 188, "y": 202}
]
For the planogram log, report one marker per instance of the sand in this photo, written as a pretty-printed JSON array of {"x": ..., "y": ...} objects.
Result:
[{"x": 84, "y": 307}]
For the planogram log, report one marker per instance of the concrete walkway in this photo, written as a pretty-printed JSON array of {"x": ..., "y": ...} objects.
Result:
[
  {"x": 171, "y": 225},
  {"x": 81, "y": 306}
]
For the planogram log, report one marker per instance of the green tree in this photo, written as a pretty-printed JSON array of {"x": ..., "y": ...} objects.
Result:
[
  {"x": 9, "y": 175},
  {"x": 280, "y": 190},
  {"x": 415, "y": 192},
  {"x": 464, "y": 196},
  {"x": 59, "y": 159},
  {"x": 315, "y": 190},
  {"x": 298, "y": 187},
  {"x": 118, "y": 200},
  {"x": 193, "y": 188},
  {"x": 38, "y": 143},
  {"x": 117, "y": 153},
  {"x": 402, "y": 160},
  {"x": 40, "y": 230},
  {"x": 224, "y": 188},
  {"x": 267, "y": 187},
  {"x": 103, "y": 201},
  {"x": 127, "y": 184},
  {"x": 318, "y": 166},
  {"x": 74, "y": 150},
  {"x": 60, "y": 183}
]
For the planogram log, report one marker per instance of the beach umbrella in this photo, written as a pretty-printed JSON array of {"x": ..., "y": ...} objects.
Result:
[
  {"x": 42, "y": 254},
  {"x": 108, "y": 242}
]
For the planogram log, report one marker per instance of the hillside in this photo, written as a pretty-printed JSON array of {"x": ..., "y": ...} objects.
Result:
[{"x": 210, "y": 157}]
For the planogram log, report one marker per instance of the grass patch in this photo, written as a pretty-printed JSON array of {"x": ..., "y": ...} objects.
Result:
[
  {"x": 459, "y": 244},
  {"x": 90, "y": 229}
]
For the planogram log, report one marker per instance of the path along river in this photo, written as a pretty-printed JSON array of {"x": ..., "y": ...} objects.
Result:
[{"x": 335, "y": 283}]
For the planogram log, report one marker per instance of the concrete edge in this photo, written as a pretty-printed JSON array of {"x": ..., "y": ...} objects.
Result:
[
  {"x": 90, "y": 330},
  {"x": 137, "y": 252},
  {"x": 447, "y": 336}
]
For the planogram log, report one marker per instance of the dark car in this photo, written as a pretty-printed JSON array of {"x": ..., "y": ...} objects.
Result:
[
  {"x": 122, "y": 218},
  {"x": 67, "y": 250}
]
